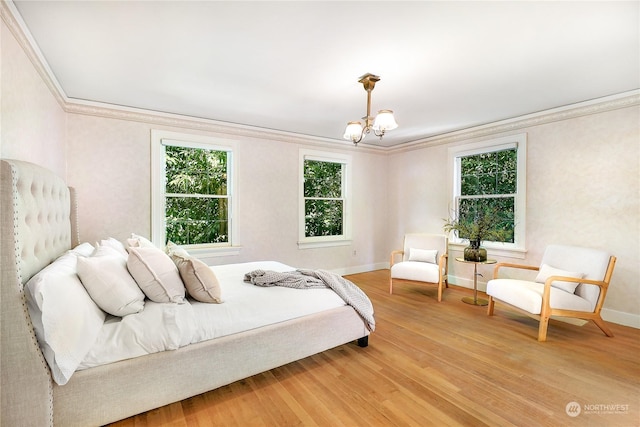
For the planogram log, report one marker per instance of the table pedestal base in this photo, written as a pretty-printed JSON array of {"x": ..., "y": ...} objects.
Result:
[{"x": 475, "y": 301}]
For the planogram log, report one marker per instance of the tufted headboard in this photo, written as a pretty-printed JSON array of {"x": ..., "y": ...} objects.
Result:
[
  {"x": 37, "y": 213},
  {"x": 37, "y": 225}
]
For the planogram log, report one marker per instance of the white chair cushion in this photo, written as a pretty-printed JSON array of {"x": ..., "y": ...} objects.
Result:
[
  {"x": 547, "y": 271},
  {"x": 415, "y": 270},
  {"x": 592, "y": 263},
  {"x": 423, "y": 255},
  {"x": 527, "y": 296},
  {"x": 423, "y": 241}
]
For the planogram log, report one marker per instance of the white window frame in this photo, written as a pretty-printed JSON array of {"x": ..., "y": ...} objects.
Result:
[
  {"x": 158, "y": 176},
  {"x": 344, "y": 239},
  {"x": 517, "y": 249}
]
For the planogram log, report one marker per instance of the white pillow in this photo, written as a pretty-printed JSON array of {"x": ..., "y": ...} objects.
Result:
[
  {"x": 156, "y": 274},
  {"x": 66, "y": 320},
  {"x": 547, "y": 271},
  {"x": 106, "y": 278},
  {"x": 136, "y": 241},
  {"x": 83, "y": 249},
  {"x": 423, "y": 255},
  {"x": 114, "y": 244},
  {"x": 173, "y": 249}
]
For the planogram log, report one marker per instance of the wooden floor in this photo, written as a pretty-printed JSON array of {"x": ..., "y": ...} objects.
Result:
[{"x": 436, "y": 364}]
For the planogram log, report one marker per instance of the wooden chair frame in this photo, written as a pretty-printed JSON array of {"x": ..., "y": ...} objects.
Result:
[
  {"x": 546, "y": 311},
  {"x": 443, "y": 265}
]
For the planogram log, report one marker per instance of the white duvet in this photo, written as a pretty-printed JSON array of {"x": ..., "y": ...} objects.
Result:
[{"x": 168, "y": 326}]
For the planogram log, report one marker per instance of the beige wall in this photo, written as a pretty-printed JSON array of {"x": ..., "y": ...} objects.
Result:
[
  {"x": 583, "y": 188},
  {"x": 32, "y": 122},
  {"x": 583, "y": 183},
  {"x": 110, "y": 167}
]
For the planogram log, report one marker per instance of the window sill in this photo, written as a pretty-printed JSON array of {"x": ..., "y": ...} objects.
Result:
[
  {"x": 323, "y": 244},
  {"x": 212, "y": 251},
  {"x": 494, "y": 251}
]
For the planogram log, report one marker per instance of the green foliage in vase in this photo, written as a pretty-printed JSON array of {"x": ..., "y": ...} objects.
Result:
[{"x": 481, "y": 223}]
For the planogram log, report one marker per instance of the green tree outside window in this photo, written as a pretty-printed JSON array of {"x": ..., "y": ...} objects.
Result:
[
  {"x": 323, "y": 198},
  {"x": 488, "y": 185},
  {"x": 196, "y": 195}
]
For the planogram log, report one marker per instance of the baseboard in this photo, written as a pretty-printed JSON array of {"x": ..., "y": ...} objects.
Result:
[
  {"x": 613, "y": 316},
  {"x": 355, "y": 269},
  {"x": 465, "y": 282},
  {"x": 621, "y": 318}
]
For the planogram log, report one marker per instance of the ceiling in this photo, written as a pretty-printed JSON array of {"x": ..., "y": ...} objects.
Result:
[{"x": 294, "y": 66}]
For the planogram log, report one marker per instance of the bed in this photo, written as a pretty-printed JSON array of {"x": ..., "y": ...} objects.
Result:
[{"x": 39, "y": 225}]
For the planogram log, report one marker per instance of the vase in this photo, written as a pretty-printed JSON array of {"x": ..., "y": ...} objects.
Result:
[{"x": 474, "y": 252}]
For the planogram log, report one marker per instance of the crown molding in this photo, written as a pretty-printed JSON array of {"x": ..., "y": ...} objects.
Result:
[
  {"x": 156, "y": 118},
  {"x": 228, "y": 129},
  {"x": 16, "y": 25},
  {"x": 594, "y": 106},
  {"x": 11, "y": 17}
]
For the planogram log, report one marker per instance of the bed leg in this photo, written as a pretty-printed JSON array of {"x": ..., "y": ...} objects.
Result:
[{"x": 363, "y": 342}]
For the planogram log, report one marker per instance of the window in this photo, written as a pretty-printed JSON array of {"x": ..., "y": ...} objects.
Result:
[
  {"x": 491, "y": 176},
  {"x": 196, "y": 197},
  {"x": 488, "y": 183},
  {"x": 324, "y": 199},
  {"x": 193, "y": 202}
]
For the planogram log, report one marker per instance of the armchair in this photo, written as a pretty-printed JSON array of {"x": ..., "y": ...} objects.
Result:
[
  {"x": 571, "y": 282},
  {"x": 424, "y": 259}
]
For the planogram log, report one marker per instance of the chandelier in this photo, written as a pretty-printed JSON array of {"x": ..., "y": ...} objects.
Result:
[{"x": 383, "y": 122}]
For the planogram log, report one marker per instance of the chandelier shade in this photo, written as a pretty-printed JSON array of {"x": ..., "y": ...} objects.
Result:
[
  {"x": 353, "y": 131},
  {"x": 383, "y": 122}
]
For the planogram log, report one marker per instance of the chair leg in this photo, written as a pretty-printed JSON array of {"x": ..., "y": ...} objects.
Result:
[
  {"x": 542, "y": 329},
  {"x": 603, "y": 327},
  {"x": 391, "y": 285},
  {"x": 440, "y": 292},
  {"x": 490, "y": 306}
]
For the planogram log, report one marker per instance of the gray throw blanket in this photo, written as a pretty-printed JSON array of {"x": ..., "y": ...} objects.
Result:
[{"x": 309, "y": 279}]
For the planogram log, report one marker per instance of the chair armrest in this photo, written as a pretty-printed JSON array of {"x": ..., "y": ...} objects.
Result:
[
  {"x": 551, "y": 279},
  {"x": 546, "y": 293},
  {"x": 393, "y": 254},
  {"x": 510, "y": 265},
  {"x": 443, "y": 265}
]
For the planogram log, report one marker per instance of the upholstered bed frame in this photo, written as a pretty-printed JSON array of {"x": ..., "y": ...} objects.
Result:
[{"x": 38, "y": 225}]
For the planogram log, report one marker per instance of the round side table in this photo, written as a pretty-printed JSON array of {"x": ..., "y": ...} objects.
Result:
[{"x": 475, "y": 300}]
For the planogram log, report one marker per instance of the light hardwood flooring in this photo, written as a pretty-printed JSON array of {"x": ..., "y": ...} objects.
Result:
[{"x": 435, "y": 364}]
